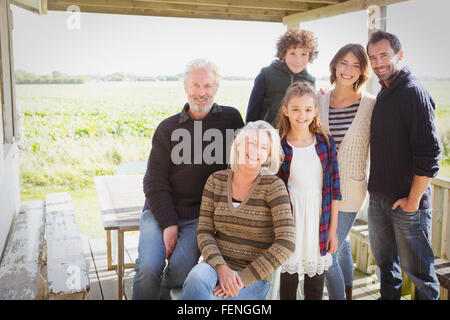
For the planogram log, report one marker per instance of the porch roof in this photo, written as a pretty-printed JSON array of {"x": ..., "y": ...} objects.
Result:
[{"x": 285, "y": 11}]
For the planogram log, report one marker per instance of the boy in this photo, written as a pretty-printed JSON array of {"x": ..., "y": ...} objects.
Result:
[{"x": 294, "y": 50}]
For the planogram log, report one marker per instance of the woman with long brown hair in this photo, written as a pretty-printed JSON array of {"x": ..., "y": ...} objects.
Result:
[{"x": 346, "y": 111}]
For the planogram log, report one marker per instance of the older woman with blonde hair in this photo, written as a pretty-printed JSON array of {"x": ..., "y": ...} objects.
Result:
[
  {"x": 346, "y": 111},
  {"x": 246, "y": 227}
]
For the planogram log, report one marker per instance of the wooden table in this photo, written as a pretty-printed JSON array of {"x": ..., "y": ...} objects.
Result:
[{"x": 121, "y": 200}]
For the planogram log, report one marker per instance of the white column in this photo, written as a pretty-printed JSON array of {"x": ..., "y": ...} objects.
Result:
[{"x": 377, "y": 21}]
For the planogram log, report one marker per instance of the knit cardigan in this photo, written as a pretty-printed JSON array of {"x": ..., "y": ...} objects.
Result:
[
  {"x": 353, "y": 152},
  {"x": 256, "y": 237}
]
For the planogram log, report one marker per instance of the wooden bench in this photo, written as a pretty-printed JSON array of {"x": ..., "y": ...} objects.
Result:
[
  {"x": 22, "y": 265},
  {"x": 443, "y": 273},
  {"x": 359, "y": 237},
  {"x": 360, "y": 244},
  {"x": 66, "y": 269}
]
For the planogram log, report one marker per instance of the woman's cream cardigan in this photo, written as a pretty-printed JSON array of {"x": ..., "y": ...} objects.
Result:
[{"x": 353, "y": 153}]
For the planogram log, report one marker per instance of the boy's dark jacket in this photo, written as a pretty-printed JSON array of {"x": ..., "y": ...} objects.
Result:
[{"x": 277, "y": 78}]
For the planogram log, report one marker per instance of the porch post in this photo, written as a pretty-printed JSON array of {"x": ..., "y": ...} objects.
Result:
[
  {"x": 376, "y": 21},
  {"x": 292, "y": 25}
]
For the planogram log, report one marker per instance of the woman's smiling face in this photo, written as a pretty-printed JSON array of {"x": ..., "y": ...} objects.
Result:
[
  {"x": 253, "y": 149},
  {"x": 348, "y": 69}
]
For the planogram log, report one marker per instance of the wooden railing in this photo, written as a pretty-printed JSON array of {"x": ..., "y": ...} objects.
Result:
[{"x": 440, "y": 228}]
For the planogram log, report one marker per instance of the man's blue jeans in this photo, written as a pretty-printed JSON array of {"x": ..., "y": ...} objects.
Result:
[
  {"x": 153, "y": 280},
  {"x": 340, "y": 274},
  {"x": 202, "y": 280},
  {"x": 402, "y": 239}
]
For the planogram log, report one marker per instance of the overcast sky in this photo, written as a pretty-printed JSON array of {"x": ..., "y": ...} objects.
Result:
[{"x": 144, "y": 45}]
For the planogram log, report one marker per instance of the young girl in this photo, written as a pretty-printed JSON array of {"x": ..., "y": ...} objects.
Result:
[
  {"x": 311, "y": 174},
  {"x": 294, "y": 50}
]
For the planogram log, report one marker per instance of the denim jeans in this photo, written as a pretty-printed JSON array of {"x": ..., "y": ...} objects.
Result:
[
  {"x": 402, "y": 239},
  {"x": 153, "y": 279},
  {"x": 202, "y": 280},
  {"x": 340, "y": 274}
]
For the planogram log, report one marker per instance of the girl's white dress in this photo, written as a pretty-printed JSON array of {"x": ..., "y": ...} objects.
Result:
[{"x": 305, "y": 190}]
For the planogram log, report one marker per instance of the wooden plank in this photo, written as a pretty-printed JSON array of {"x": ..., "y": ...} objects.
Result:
[
  {"x": 15, "y": 113},
  {"x": 436, "y": 218},
  {"x": 20, "y": 269},
  {"x": 360, "y": 230},
  {"x": 131, "y": 249},
  {"x": 359, "y": 236},
  {"x": 5, "y": 69},
  {"x": 363, "y": 257},
  {"x": 180, "y": 7},
  {"x": 336, "y": 9},
  {"x": 443, "y": 294},
  {"x": 443, "y": 182},
  {"x": 227, "y": 4},
  {"x": 442, "y": 267},
  {"x": 120, "y": 262},
  {"x": 109, "y": 249},
  {"x": 3, "y": 29},
  {"x": 316, "y": 1},
  {"x": 407, "y": 285},
  {"x": 168, "y": 13},
  {"x": 445, "y": 229},
  {"x": 35, "y": 6},
  {"x": 121, "y": 199},
  {"x": 66, "y": 267},
  {"x": 365, "y": 287}
]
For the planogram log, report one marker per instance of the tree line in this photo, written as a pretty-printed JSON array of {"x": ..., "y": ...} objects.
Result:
[{"x": 56, "y": 77}]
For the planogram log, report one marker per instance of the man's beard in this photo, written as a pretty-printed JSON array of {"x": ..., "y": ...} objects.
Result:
[{"x": 200, "y": 109}]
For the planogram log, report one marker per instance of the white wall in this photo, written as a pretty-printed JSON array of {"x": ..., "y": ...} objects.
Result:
[{"x": 9, "y": 190}]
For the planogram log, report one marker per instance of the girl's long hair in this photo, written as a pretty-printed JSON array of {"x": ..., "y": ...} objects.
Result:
[{"x": 299, "y": 89}]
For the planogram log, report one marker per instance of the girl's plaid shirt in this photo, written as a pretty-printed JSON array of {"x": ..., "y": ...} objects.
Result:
[{"x": 330, "y": 186}]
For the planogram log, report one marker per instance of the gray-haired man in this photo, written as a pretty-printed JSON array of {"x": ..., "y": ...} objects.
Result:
[{"x": 174, "y": 181}]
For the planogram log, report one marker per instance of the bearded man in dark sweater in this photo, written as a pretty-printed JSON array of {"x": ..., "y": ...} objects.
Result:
[
  {"x": 404, "y": 154},
  {"x": 186, "y": 149}
]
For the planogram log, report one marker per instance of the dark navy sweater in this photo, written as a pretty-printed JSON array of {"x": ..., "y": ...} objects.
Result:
[
  {"x": 403, "y": 140},
  {"x": 173, "y": 187}
]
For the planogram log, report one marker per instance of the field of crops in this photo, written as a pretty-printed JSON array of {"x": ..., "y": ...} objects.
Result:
[{"x": 73, "y": 132}]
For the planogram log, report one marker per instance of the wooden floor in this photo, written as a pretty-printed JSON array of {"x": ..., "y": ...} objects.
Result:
[{"x": 104, "y": 283}]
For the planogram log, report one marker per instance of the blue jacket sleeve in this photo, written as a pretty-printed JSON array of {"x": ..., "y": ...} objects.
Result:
[{"x": 256, "y": 98}]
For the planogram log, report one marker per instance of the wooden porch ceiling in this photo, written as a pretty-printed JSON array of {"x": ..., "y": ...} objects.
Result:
[{"x": 247, "y": 10}]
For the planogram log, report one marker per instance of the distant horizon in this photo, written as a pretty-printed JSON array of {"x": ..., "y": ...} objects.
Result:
[{"x": 180, "y": 74}]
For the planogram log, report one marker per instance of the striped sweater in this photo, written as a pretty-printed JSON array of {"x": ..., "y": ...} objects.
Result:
[
  {"x": 340, "y": 120},
  {"x": 256, "y": 237}
]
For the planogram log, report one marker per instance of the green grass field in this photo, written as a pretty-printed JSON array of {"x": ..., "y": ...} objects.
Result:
[{"x": 75, "y": 132}]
